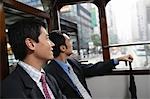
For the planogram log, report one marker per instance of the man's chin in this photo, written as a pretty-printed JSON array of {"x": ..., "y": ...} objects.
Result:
[
  {"x": 51, "y": 58},
  {"x": 70, "y": 54}
]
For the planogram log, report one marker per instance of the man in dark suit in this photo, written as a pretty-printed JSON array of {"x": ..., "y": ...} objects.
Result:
[
  {"x": 69, "y": 73},
  {"x": 30, "y": 44}
]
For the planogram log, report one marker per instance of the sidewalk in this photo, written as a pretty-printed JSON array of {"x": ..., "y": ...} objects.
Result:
[{"x": 92, "y": 58}]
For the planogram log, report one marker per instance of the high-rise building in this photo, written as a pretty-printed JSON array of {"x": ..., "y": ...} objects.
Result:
[
  {"x": 33, "y": 3},
  {"x": 80, "y": 15}
]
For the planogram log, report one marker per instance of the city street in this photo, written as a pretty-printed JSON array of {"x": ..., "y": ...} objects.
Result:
[{"x": 139, "y": 62}]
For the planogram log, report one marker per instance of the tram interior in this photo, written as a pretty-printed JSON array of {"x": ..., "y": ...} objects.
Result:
[{"x": 111, "y": 86}]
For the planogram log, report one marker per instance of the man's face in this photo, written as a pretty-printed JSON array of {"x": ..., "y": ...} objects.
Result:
[
  {"x": 69, "y": 47},
  {"x": 44, "y": 48}
]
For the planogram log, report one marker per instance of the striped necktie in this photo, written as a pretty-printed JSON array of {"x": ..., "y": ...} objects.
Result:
[
  {"x": 45, "y": 90},
  {"x": 77, "y": 83}
]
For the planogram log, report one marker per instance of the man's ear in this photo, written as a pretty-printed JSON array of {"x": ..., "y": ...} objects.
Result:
[
  {"x": 62, "y": 48},
  {"x": 30, "y": 43}
]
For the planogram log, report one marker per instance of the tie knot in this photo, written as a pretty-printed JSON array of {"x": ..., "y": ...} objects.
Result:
[{"x": 42, "y": 77}]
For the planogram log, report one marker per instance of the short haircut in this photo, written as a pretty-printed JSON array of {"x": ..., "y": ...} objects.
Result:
[
  {"x": 56, "y": 36},
  {"x": 19, "y": 31}
]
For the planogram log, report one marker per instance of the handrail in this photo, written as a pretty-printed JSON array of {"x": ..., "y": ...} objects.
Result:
[{"x": 127, "y": 44}]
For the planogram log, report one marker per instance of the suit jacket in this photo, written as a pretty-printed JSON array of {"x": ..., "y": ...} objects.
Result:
[
  {"x": 81, "y": 70},
  {"x": 20, "y": 85}
]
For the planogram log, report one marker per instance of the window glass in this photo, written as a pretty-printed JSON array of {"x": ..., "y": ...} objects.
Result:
[
  {"x": 85, "y": 16},
  {"x": 34, "y": 3},
  {"x": 128, "y": 21},
  {"x": 140, "y": 53}
]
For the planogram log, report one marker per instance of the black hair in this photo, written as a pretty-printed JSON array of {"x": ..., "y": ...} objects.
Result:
[
  {"x": 19, "y": 31},
  {"x": 56, "y": 36}
]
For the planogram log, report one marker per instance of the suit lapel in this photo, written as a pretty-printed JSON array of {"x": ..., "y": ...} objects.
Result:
[
  {"x": 63, "y": 74},
  {"x": 79, "y": 72},
  {"x": 30, "y": 87},
  {"x": 75, "y": 66},
  {"x": 52, "y": 88}
]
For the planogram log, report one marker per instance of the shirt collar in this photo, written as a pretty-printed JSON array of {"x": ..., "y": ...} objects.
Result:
[
  {"x": 34, "y": 73},
  {"x": 63, "y": 65}
]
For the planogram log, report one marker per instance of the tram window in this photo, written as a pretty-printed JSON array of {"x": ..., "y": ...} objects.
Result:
[
  {"x": 34, "y": 3},
  {"x": 140, "y": 53},
  {"x": 85, "y": 15},
  {"x": 129, "y": 22}
]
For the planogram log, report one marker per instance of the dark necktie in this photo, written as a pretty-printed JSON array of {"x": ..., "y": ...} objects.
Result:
[{"x": 43, "y": 80}]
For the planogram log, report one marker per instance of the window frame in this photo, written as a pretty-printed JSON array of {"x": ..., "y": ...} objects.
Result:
[
  {"x": 101, "y": 4},
  {"x": 106, "y": 46}
]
